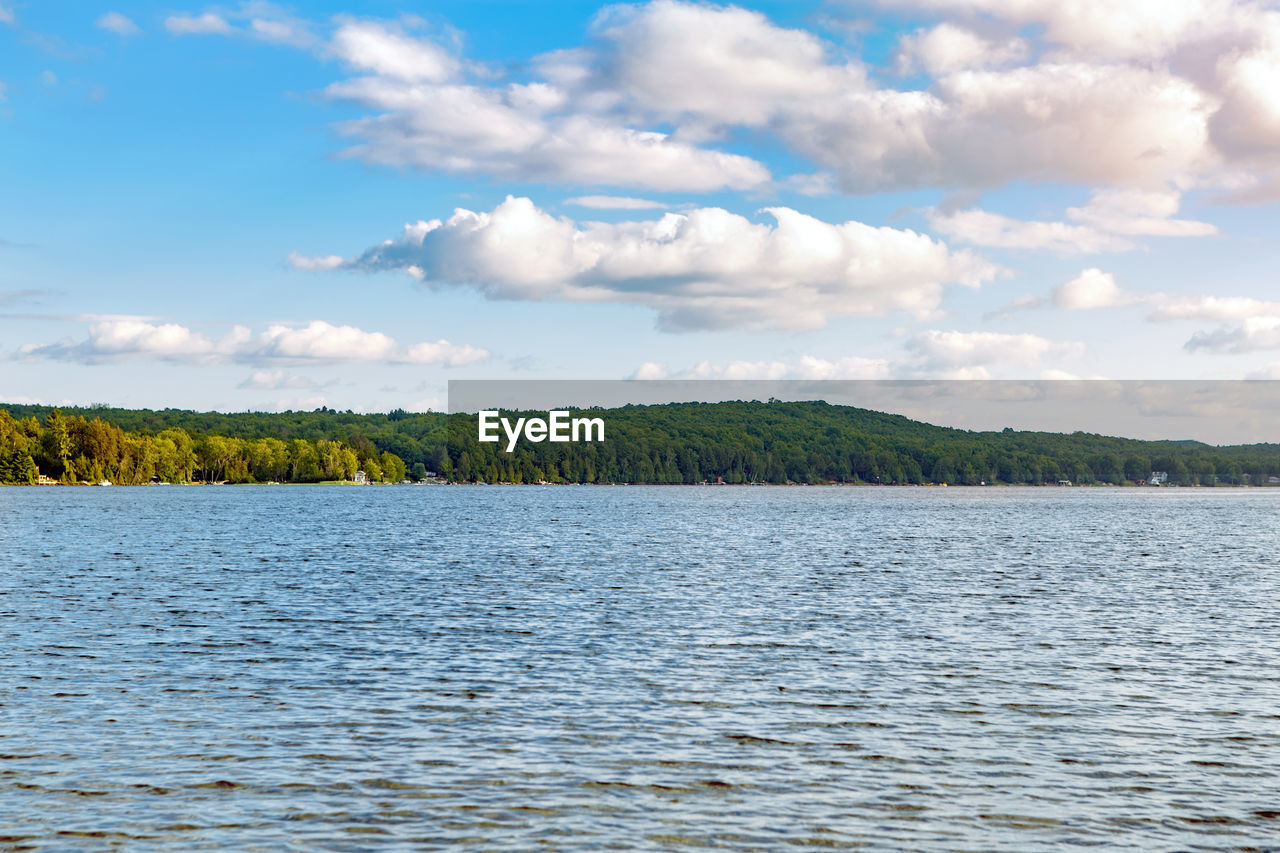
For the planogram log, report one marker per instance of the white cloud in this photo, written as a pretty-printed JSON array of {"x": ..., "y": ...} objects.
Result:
[
  {"x": 300, "y": 404},
  {"x": 715, "y": 64},
  {"x": 318, "y": 341},
  {"x": 1255, "y": 333},
  {"x": 804, "y": 367},
  {"x": 443, "y": 352},
  {"x": 1246, "y": 129},
  {"x": 274, "y": 380},
  {"x": 208, "y": 23},
  {"x": 968, "y": 355},
  {"x": 315, "y": 263},
  {"x": 1075, "y": 123},
  {"x": 614, "y": 202},
  {"x": 1143, "y": 96},
  {"x": 1137, "y": 96},
  {"x": 983, "y": 228},
  {"x": 928, "y": 354},
  {"x": 707, "y": 269},
  {"x": 118, "y": 24},
  {"x": 6, "y": 15},
  {"x": 816, "y": 184},
  {"x": 1138, "y": 212},
  {"x": 1093, "y": 288},
  {"x": 1247, "y": 324},
  {"x": 1223, "y": 309},
  {"x": 1104, "y": 224},
  {"x": 258, "y": 19},
  {"x": 707, "y": 67},
  {"x": 1134, "y": 29},
  {"x": 281, "y": 30},
  {"x": 947, "y": 48},
  {"x": 508, "y": 133},
  {"x": 424, "y": 113},
  {"x": 388, "y": 51}
]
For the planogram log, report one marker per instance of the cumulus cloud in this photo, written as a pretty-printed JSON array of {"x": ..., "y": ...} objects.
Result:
[
  {"x": 1136, "y": 29},
  {"x": 1137, "y": 96},
  {"x": 1093, "y": 288},
  {"x": 1073, "y": 122},
  {"x": 387, "y": 50},
  {"x": 718, "y": 65},
  {"x": 946, "y": 48},
  {"x": 517, "y": 133},
  {"x": 705, "y": 269},
  {"x": 1255, "y": 333},
  {"x": 1227, "y": 50},
  {"x": 118, "y": 24},
  {"x": 1246, "y": 324},
  {"x": 318, "y": 341},
  {"x": 706, "y": 67}
]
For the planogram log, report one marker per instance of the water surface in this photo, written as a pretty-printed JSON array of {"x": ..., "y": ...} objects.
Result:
[{"x": 585, "y": 668}]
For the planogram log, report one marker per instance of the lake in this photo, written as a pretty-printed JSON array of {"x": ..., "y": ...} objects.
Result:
[{"x": 586, "y": 668}]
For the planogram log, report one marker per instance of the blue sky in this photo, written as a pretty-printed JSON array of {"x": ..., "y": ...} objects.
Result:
[{"x": 206, "y": 205}]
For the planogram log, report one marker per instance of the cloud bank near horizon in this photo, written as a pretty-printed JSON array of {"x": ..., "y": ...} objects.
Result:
[{"x": 114, "y": 339}]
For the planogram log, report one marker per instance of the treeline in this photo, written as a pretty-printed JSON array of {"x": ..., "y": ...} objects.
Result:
[
  {"x": 737, "y": 442},
  {"x": 74, "y": 449},
  {"x": 814, "y": 442}
]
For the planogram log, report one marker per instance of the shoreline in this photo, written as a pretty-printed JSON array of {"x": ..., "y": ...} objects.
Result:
[{"x": 348, "y": 483}]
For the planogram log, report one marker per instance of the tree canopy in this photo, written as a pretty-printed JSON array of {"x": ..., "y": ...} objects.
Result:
[{"x": 736, "y": 442}]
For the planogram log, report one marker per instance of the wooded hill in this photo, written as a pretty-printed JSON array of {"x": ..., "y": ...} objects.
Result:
[{"x": 739, "y": 442}]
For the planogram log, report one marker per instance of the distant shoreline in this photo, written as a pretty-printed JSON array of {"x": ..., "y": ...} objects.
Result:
[
  {"x": 730, "y": 443},
  {"x": 348, "y": 483}
]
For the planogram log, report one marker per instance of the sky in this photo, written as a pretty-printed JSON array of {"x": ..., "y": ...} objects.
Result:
[{"x": 262, "y": 206}]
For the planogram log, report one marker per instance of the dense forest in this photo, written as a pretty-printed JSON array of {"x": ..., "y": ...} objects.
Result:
[
  {"x": 72, "y": 448},
  {"x": 736, "y": 442}
]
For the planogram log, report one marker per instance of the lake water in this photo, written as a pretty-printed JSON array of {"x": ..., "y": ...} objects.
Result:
[{"x": 581, "y": 668}]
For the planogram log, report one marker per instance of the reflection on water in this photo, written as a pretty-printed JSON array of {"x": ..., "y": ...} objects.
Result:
[{"x": 639, "y": 668}]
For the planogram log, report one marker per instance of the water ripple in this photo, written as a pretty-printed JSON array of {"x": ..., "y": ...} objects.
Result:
[{"x": 639, "y": 668}]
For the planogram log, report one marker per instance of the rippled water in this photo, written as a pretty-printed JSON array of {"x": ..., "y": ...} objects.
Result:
[{"x": 639, "y": 668}]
